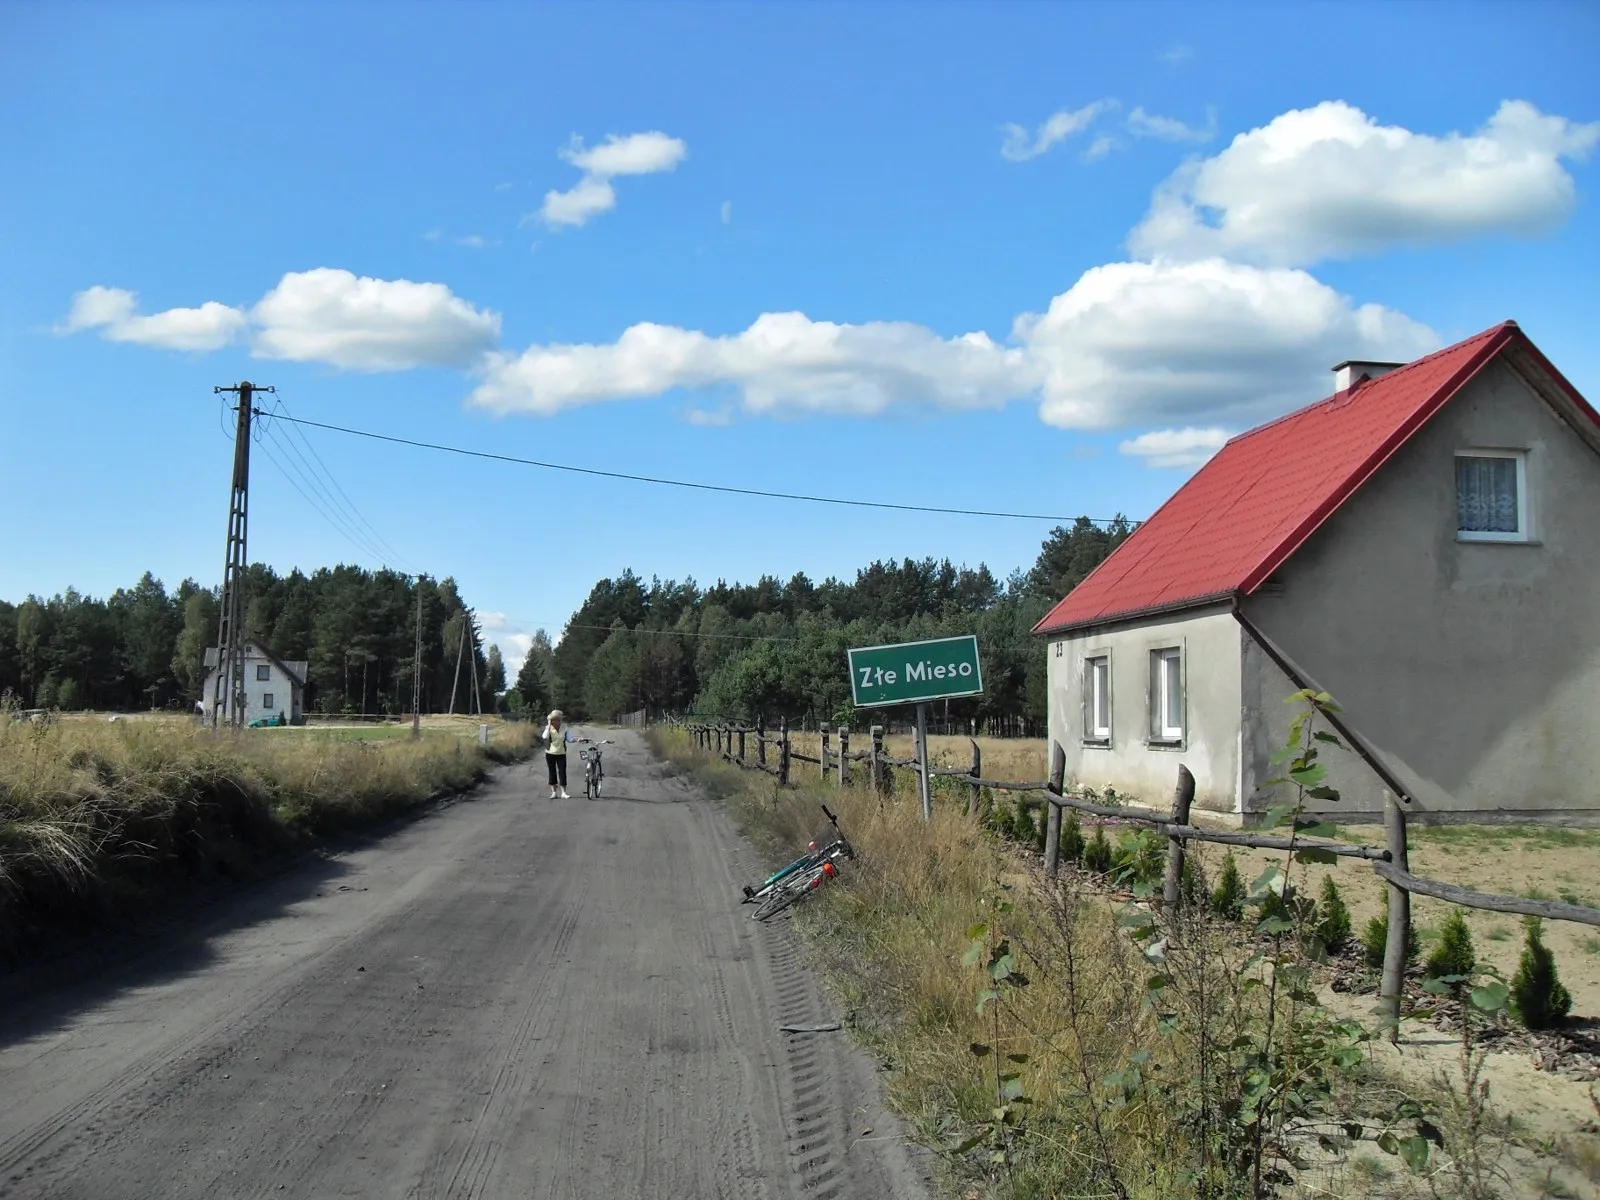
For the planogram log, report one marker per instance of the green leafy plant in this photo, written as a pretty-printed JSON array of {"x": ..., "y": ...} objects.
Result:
[
  {"x": 1452, "y": 954},
  {"x": 1333, "y": 922},
  {"x": 991, "y": 951},
  {"x": 1538, "y": 998},
  {"x": 1139, "y": 860},
  {"x": 1228, "y": 900}
]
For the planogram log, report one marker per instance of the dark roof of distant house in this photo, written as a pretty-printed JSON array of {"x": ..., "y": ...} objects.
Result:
[
  {"x": 297, "y": 671},
  {"x": 1256, "y": 502}
]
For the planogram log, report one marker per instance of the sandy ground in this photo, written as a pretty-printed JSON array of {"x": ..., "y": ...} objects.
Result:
[{"x": 506, "y": 997}]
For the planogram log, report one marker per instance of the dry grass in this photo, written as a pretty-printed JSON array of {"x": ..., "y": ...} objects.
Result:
[
  {"x": 893, "y": 940},
  {"x": 96, "y": 814}
]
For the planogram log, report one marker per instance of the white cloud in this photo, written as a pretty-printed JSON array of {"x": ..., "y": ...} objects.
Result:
[
  {"x": 114, "y": 311},
  {"x": 633, "y": 154},
  {"x": 727, "y": 211},
  {"x": 1100, "y": 147},
  {"x": 1175, "y": 447},
  {"x": 1138, "y": 343},
  {"x": 476, "y": 241},
  {"x": 1330, "y": 182},
  {"x": 709, "y": 418},
  {"x": 1170, "y": 129},
  {"x": 1175, "y": 55},
  {"x": 363, "y": 324},
  {"x": 1019, "y": 146},
  {"x": 783, "y": 363},
  {"x": 502, "y": 187},
  {"x": 433, "y": 235}
]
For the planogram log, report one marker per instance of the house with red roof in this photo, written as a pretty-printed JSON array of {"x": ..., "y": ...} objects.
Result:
[{"x": 1424, "y": 544}]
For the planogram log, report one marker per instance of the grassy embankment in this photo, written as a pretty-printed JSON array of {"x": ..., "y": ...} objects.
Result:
[
  {"x": 1118, "y": 1106},
  {"x": 97, "y": 816}
]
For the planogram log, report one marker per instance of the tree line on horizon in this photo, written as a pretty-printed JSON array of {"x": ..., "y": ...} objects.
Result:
[
  {"x": 776, "y": 649},
  {"x": 143, "y": 647}
]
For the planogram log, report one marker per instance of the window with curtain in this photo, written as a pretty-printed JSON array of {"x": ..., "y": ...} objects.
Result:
[{"x": 1489, "y": 501}]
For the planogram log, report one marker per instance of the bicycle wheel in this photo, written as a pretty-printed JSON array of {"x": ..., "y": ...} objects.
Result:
[{"x": 786, "y": 894}]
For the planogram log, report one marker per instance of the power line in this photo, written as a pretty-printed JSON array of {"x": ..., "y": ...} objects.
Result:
[
  {"x": 289, "y": 473},
  {"x": 735, "y": 637},
  {"x": 280, "y": 409},
  {"x": 681, "y": 483}
]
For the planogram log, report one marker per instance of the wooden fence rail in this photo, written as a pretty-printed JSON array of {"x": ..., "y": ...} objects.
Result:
[{"x": 1389, "y": 862}]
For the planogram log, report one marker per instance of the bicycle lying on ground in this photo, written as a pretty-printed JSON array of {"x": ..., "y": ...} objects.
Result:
[
  {"x": 592, "y": 771},
  {"x": 804, "y": 875}
]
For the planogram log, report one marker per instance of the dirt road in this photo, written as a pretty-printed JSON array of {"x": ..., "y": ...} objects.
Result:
[{"x": 507, "y": 997}]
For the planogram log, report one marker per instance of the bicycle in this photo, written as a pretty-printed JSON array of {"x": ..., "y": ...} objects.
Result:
[
  {"x": 801, "y": 884},
  {"x": 812, "y": 857},
  {"x": 592, "y": 771}
]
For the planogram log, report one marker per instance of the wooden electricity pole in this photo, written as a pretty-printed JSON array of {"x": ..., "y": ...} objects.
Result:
[{"x": 228, "y": 694}]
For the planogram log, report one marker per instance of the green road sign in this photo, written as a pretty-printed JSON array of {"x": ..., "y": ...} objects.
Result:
[{"x": 915, "y": 671}]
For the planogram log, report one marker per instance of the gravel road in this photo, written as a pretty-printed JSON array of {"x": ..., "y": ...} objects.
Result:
[{"x": 507, "y": 997}]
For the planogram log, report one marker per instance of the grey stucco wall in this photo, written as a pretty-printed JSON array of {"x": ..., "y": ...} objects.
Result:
[
  {"x": 1209, "y": 640},
  {"x": 1471, "y": 668}
]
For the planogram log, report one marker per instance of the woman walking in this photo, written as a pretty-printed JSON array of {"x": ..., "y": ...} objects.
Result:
[{"x": 557, "y": 737}]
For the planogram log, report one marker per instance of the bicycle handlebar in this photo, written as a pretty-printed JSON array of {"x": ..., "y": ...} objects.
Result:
[{"x": 832, "y": 820}]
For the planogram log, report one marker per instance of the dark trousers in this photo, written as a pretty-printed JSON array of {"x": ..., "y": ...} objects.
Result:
[{"x": 558, "y": 769}]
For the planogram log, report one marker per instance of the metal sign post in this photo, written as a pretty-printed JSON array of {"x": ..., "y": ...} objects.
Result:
[{"x": 923, "y": 790}]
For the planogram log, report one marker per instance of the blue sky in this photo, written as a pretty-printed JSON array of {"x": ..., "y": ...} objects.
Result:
[{"x": 998, "y": 256}]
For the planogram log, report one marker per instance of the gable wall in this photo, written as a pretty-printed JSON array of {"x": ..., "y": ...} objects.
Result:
[{"x": 1472, "y": 668}]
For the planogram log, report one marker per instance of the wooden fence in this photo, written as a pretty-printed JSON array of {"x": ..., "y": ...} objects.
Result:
[{"x": 1389, "y": 862}]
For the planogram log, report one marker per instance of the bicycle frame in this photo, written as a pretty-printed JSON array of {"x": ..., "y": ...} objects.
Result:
[{"x": 808, "y": 861}]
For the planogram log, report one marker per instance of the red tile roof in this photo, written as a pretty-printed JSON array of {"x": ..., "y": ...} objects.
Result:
[{"x": 1248, "y": 509}]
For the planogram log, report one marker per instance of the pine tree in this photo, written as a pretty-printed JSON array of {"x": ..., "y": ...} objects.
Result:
[
  {"x": 1333, "y": 924},
  {"x": 1071, "y": 837},
  {"x": 1453, "y": 953},
  {"x": 1538, "y": 997},
  {"x": 1228, "y": 900}
]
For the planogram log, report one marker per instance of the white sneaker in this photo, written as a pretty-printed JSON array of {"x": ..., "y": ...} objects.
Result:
[
  {"x": 564, "y": 795},
  {"x": 552, "y": 794}
]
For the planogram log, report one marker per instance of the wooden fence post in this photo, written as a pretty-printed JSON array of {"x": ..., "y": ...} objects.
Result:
[
  {"x": 822, "y": 751},
  {"x": 783, "y": 752},
  {"x": 924, "y": 781},
  {"x": 1392, "y": 990},
  {"x": 741, "y": 745},
  {"x": 761, "y": 741},
  {"x": 877, "y": 760},
  {"x": 974, "y": 792},
  {"x": 1052, "y": 821},
  {"x": 844, "y": 757},
  {"x": 1182, "y": 797}
]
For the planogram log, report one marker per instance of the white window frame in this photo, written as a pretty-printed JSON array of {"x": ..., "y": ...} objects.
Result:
[
  {"x": 1096, "y": 698},
  {"x": 266, "y": 701},
  {"x": 1524, "y": 530},
  {"x": 1163, "y": 733}
]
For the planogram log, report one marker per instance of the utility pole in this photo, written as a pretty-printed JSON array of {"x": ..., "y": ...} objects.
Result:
[
  {"x": 477, "y": 696},
  {"x": 416, "y": 672},
  {"x": 228, "y": 697},
  {"x": 461, "y": 646}
]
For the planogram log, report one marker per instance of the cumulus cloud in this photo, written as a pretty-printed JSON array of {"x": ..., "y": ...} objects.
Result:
[
  {"x": 363, "y": 324},
  {"x": 1139, "y": 343},
  {"x": 784, "y": 363},
  {"x": 1019, "y": 146},
  {"x": 1330, "y": 182},
  {"x": 708, "y": 418},
  {"x": 114, "y": 311},
  {"x": 633, "y": 154},
  {"x": 1175, "y": 447}
]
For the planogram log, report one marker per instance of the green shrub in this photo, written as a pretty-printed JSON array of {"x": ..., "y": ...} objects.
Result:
[
  {"x": 1333, "y": 923},
  {"x": 1043, "y": 831},
  {"x": 1538, "y": 998},
  {"x": 1071, "y": 837},
  {"x": 1376, "y": 938},
  {"x": 1022, "y": 829},
  {"x": 1452, "y": 954},
  {"x": 1097, "y": 854},
  {"x": 1228, "y": 900},
  {"x": 1140, "y": 857}
]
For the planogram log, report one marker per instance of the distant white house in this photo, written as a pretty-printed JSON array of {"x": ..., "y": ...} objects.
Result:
[{"x": 271, "y": 686}]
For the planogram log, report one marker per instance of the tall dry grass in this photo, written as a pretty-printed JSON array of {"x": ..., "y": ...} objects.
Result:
[
  {"x": 94, "y": 815},
  {"x": 1127, "y": 1098}
]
